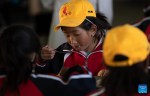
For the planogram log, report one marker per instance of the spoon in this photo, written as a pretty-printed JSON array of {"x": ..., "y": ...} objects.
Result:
[{"x": 64, "y": 51}]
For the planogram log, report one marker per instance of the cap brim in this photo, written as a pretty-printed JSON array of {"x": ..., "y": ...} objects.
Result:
[{"x": 72, "y": 22}]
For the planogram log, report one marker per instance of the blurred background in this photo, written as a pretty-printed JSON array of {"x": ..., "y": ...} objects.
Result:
[{"x": 34, "y": 14}]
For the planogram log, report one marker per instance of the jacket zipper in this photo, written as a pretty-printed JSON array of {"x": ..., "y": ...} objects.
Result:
[
  {"x": 86, "y": 57},
  {"x": 86, "y": 61}
]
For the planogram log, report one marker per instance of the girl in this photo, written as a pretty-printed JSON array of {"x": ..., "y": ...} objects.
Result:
[
  {"x": 19, "y": 47},
  {"x": 126, "y": 55},
  {"x": 84, "y": 31}
]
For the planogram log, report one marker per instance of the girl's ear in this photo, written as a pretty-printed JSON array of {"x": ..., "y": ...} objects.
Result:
[{"x": 93, "y": 30}]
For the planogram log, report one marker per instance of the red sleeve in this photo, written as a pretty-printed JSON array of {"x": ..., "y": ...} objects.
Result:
[
  {"x": 102, "y": 63},
  {"x": 103, "y": 67},
  {"x": 40, "y": 64}
]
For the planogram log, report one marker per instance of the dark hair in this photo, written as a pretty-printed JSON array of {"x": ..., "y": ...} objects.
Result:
[
  {"x": 17, "y": 42},
  {"x": 101, "y": 23},
  {"x": 124, "y": 81}
]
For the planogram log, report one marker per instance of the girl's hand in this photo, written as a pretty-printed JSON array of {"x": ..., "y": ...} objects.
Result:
[
  {"x": 47, "y": 53},
  {"x": 104, "y": 73}
]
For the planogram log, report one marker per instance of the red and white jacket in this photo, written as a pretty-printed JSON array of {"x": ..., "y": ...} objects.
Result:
[
  {"x": 79, "y": 82},
  {"x": 93, "y": 61},
  {"x": 144, "y": 25}
]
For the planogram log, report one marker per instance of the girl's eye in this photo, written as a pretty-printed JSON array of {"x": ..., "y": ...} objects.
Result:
[
  {"x": 77, "y": 34},
  {"x": 67, "y": 35}
]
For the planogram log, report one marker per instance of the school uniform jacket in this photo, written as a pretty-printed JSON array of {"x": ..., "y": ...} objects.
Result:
[
  {"x": 144, "y": 25},
  {"x": 51, "y": 85},
  {"x": 93, "y": 61}
]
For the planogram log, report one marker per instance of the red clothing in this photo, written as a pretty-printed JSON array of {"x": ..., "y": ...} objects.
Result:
[
  {"x": 93, "y": 61},
  {"x": 76, "y": 84},
  {"x": 29, "y": 89},
  {"x": 144, "y": 25}
]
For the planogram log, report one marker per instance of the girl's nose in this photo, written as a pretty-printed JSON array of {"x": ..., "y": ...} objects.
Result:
[{"x": 72, "y": 40}]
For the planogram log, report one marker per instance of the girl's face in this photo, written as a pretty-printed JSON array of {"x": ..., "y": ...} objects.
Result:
[{"x": 79, "y": 38}]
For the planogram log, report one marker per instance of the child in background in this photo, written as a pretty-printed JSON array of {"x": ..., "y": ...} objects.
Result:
[
  {"x": 19, "y": 48},
  {"x": 126, "y": 55},
  {"x": 144, "y": 23},
  {"x": 84, "y": 31}
]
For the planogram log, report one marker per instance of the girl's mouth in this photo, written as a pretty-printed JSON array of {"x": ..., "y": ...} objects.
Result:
[{"x": 77, "y": 46}]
